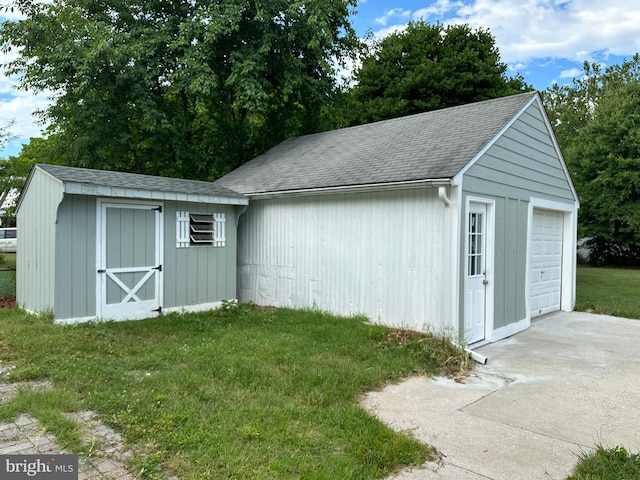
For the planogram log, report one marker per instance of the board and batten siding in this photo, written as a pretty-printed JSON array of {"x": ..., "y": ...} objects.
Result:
[
  {"x": 35, "y": 257},
  {"x": 198, "y": 275},
  {"x": 523, "y": 163},
  {"x": 385, "y": 255},
  {"x": 76, "y": 258}
]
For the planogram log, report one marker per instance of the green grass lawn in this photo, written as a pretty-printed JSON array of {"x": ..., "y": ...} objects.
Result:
[
  {"x": 613, "y": 291},
  {"x": 248, "y": 395},
  {"x": 608, "y": 464}
]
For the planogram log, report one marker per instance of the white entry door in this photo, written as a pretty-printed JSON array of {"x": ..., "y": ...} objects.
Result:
[
  {"x": 129, "y": 267},
  {"x": 475, "y": 307}
]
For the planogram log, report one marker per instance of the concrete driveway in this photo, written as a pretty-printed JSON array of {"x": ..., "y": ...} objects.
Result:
[{"x": 546, "y": 395}]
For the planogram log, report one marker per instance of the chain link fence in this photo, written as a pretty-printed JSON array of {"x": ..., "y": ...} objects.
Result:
[{"x": 7, "y": 282}]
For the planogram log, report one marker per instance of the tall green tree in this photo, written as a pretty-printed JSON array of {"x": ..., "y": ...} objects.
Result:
[
  {"x": 597, "y": 123},
  {"x": 178, "y": 87},
  {"x": 427, "y": 67}
]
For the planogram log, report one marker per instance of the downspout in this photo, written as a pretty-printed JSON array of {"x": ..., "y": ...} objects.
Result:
[
  {"x": 476, "y": 356},
  {"x": 240, "y": 211}
]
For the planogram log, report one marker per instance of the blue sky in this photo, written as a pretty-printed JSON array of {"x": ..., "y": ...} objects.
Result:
[{"x": 545, "y": 41}]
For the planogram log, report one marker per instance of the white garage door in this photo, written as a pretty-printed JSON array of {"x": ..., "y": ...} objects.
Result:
[{"x": 546, "y": 262}]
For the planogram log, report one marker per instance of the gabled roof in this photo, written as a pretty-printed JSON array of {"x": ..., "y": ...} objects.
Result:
[
  {"x": 428, "y": 147},
  {"x": 85, "y": 181}
]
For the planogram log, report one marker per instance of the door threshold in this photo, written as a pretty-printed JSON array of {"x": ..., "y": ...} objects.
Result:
[{"x": 478, "y": 344}]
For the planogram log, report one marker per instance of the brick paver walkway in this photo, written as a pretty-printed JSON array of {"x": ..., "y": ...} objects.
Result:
[{"x": 26, "y": 436}]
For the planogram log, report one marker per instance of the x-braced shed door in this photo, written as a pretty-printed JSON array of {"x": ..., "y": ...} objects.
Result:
[{"x": 129, "y": 260}]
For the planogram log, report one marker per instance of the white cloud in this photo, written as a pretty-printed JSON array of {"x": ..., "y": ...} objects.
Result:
[
  {"x": 575, "y": 30},
  {"x": 394, "y": 13},
  {"x": 18, "y": 106},
  {"x": 384, "y": 32},
  {"x": 19, "y": 109},
  {"x": 436, "y": 10},
  {"x": 528, "y": 29},
  {"x": 571, "y": 73}
]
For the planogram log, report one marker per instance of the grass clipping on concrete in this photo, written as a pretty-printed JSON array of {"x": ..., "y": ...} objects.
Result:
[{"x": 239, "y": 393}]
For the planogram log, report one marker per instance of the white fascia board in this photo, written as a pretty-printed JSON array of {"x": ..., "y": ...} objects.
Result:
[
  {"x": 373, "y": 187},
  {"x": 75, "y": 188}
]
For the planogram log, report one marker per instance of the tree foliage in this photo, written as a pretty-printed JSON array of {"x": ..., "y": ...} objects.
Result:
[
  {"x": 427, "y": 67},
  {"x": 597, "y": 123},
  {"x": 178, "y": 87},
  {"x": 13, "y": 172}
]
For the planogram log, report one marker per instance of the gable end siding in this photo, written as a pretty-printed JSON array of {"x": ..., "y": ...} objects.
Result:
[
  {"x": 35, "y": 260},
  {"x": 522, "y": 163}
]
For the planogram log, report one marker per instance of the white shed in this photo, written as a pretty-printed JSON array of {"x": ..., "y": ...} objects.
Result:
[{"x": 460, "y": 221}]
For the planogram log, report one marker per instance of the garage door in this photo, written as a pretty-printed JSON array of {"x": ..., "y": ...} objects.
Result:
[{"x": 546, "y": 262}]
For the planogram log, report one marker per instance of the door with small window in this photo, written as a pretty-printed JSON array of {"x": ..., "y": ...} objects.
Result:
[
  {"x": 476, "y": 273},
  {"x": 129, "y": 260}
]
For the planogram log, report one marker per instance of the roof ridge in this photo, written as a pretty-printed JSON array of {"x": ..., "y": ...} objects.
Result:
[{"x": 419, "y": 114}]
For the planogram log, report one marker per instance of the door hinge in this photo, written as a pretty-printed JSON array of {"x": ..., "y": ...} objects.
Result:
[
  {"x": 159, "y": 268},
  {"x": 102, "y": 270},
  {"x": 159, "y": 310}
]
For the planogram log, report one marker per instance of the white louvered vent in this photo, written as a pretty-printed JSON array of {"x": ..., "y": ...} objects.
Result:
[{"x": 203, "y": 229}]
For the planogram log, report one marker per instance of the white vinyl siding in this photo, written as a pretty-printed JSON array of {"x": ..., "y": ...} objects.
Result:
[{"x": 386, "y": 255}]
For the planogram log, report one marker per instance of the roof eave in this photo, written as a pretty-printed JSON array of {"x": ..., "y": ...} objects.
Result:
[
  {"x": 372, "y": 187},
  {"x": 79, "y": 188}
]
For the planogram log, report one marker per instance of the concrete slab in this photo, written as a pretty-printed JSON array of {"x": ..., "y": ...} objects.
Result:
[{"x": 546, "y": 396}]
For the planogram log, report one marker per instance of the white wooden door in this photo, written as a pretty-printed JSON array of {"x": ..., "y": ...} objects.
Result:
[
  {"x": 475, "y": 307},
  {"x": 129, "y": 267},
  {"x": 546, "y": 262}
]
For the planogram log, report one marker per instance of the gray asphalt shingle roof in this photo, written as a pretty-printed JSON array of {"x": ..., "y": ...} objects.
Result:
[
  {"x": 87, "y": 176},
  {"x": 427, "y": 146}
]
